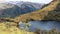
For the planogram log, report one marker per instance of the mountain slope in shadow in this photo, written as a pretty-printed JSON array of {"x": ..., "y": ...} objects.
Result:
[{"x": 9, "y": 10}]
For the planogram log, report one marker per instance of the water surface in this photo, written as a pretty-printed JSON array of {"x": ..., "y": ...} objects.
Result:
[{"x": 42, "y": 25}]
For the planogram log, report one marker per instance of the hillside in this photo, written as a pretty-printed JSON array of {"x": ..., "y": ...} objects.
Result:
[
  {"x": 50, "y": 12},
  {"x": 10, "y": 15},
  {"x": 22, "y": 4},
  {"x": 9, "y": 10}
]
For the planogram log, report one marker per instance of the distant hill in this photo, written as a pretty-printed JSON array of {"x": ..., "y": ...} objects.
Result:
[
  {"x": 23, "y": 4},
  {"x": 9, "y": 10},
  {"x": 27, "y": 7},
  {"x": 20, "y": 3},
  {"x": 50, "y": 12}
]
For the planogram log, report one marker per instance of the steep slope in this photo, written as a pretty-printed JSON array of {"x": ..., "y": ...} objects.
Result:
[
  {"x": 55, "y": 14},
  {"x": 27, "y": 7},
  {"x": 50, "y": 12},
  {"x": 22, "y": 4},
  {"x": 9, "y": 10},
  {"x": 30, "y": 4}
]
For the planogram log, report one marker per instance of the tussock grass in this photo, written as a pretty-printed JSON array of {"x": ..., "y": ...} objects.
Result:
[
  {"x": 4, "y": 29},
  {"x": 39, "y": 14}
]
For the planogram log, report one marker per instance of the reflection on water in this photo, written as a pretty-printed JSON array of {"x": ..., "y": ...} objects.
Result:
[{"x": 42, "y": 25}]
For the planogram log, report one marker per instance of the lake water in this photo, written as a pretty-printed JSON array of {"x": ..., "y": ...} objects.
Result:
[{"x": 42, "y": 25}]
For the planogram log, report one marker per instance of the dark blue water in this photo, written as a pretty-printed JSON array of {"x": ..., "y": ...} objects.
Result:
[{"x": 42, "y": 25}]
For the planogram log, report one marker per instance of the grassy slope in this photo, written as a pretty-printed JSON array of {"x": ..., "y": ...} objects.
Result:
[
  {"x": 6, "y": 29},
  {"x": 39, "y": 14},
  {"x": 47, "y": 13}
]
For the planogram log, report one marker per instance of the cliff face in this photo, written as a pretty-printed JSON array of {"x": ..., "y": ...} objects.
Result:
[{"x": 50, "y": 12}]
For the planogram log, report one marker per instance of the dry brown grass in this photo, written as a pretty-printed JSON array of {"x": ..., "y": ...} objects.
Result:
[
  {"x": 46, "y": 13},
  {"x": 39, "y": 14},
  {"x": 6, "y": 29}
]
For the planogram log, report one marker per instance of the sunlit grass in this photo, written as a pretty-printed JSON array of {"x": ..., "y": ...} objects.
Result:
[
  {"x": 12, "y": 30},
  {"x": 40, "y": 14}
]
